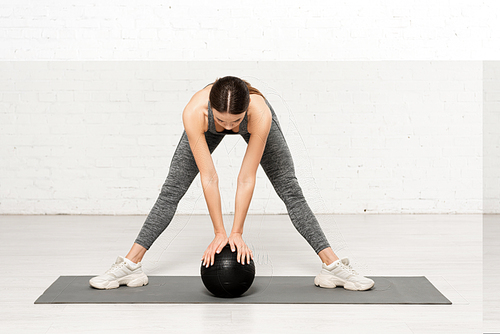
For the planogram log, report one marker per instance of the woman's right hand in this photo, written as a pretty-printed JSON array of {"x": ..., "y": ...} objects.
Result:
[{"x": 220, "y": 240}]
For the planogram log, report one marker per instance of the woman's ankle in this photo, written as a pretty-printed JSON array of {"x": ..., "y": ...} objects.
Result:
[
  {"x": 327, "y": 256},
  {"x": 135, "y": 260},
  {"x": 136, "y": 253}
]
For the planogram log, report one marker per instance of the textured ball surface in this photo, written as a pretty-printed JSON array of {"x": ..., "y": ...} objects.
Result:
[{"x": 227, "y": 278}]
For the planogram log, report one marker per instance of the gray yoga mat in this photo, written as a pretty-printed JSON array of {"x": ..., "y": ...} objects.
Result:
[{"x": 264, "y": 290}]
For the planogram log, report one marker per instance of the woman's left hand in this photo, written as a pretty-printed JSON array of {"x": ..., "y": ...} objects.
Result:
[{"x": 236, "y": 243}]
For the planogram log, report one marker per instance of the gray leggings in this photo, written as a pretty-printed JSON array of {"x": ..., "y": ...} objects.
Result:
[{"x": 276, "y": 162}]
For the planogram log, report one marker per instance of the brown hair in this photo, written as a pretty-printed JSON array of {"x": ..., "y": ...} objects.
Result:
[{"x": 232, "y": 95}]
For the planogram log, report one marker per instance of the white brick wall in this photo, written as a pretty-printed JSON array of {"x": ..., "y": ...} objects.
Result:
[
  {"x": 491, "y": 142},
  {"x": 376, "y": 137},
  {"x": 260, "y": 30},
  {"x": 375, "y": 129}
]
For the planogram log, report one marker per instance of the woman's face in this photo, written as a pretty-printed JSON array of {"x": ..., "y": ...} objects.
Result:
[{"x": 227, "y": 120}]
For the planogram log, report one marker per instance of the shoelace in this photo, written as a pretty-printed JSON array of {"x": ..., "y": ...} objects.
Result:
[
  {"x": 349, "y": 268},
  {"x": 115, "y": 266}
]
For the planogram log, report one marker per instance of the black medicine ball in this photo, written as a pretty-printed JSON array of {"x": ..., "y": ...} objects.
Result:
[{"x": 227, "y": 278}]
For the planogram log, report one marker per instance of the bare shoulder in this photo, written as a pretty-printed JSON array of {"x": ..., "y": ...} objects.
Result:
[
  {"x": 259, "y": 114},
  {"x": 195, "y": 113}
]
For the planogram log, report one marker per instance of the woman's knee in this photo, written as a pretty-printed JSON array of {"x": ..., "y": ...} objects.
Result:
[
  {"x": 172, "y": 192},
  {"x": 289, "y": 190}
]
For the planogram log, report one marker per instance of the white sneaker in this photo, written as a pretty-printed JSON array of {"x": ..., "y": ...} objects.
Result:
[
  {"x": 340, "y": 273},
  {"x": 121, "y": 273}
]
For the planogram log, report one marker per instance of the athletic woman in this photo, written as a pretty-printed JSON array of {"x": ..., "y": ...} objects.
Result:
[{"x": 231, "y": 106}]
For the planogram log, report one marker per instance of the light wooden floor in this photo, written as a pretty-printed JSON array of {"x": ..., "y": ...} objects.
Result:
[
  {"x": 491, "y": 272},
  {"x": 447, "y": 249}
]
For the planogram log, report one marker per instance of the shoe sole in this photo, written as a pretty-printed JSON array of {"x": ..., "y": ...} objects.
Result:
[
  {"x": 328, "y": 283},
  {"x": 132, "y": 282}
]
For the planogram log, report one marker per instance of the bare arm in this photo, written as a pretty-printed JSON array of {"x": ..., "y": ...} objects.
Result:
[
  {"x": 193, "y": 124},
  {"x": 251, "y": 161}
]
